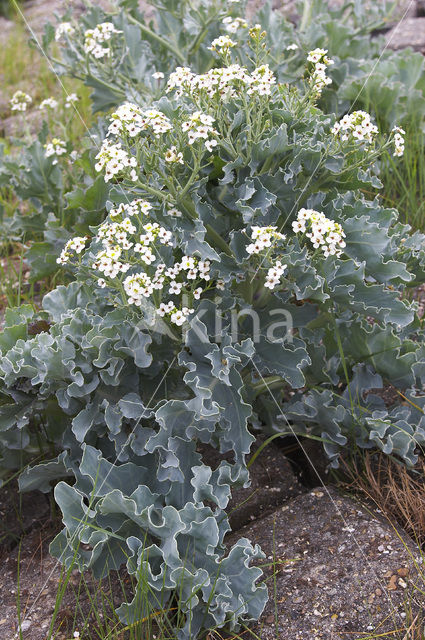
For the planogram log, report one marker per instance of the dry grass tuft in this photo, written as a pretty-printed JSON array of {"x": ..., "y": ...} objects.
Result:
[{"x": 397, "y": 491}]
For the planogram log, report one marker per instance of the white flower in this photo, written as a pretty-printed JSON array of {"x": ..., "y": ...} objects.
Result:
[
  {"x": 166, "y": 309},
  {"x": 64, "y": 28},
  {"x": 95, "y": 38},
  {"x": 261, "y": 81},
  {"x": 131, "y": 119},
  {"x": 292, "y": 47},
  {"x": 355, "y": 127},
  {"x": 19, "y": 101},
  {"x": 175, "y": 287},
  {"x": 114, "y": 160},
  {"x": 224, "y": 83},
  {"x": 48, "y": 103},
  {"x": 158, "y": 75},
  {"x": 222, "y": 44},
  {"x": 398, "y": 140},
  {"x": 263, "y": 237},
  {"x": 178, "y": 317},
  {"x": 175, "y": 213},
  {"x": 172, "y": 155},
  {"x": 187, "y": 263},
  {"x": 319, "y": 55},
  {"x": 199, "y": 127},
  {"x": 233, "y": 24},
  {"x": 320, "y": 61},
  {"x": 56, "y": 147},
  {"x": 197, "y": 293},
  {"x": 322, "y": 232},
  {"x": 137, "y": 287},
  {"x": 75, "y": 245},
  {"x": 220, "y": 284},
  {"x": 70, "y": 100},
  {"x": 210, "y": 144},
  {"x": 135, "y": 207}
]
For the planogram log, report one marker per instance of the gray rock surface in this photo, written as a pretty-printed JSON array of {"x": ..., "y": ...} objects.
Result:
[
  {"x": 408, "y": 33},
  {"x": 341, "y": 571}
]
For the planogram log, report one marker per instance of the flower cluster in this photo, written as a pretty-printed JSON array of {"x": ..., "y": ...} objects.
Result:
[
  {"x": 108, "y": 262},
  {"x": 48, "y": 103},
  {"x": 73, "y": 246},
  {"x": 274, "y": 275},
  {"x": 111, "y": 233},
  {"x": 56, "y": 147},
  {"x": 224, "y": 82},
  {"x": 20, "y": 101},
  {"x": 398, "y": 140},
  {"x": 152, "y": 232},
  {"x": 262, "y": 80},
  {"x": 94, "y": 39},
  {"x": 71, "y": 99},
  {"x": 232, "y": 25},
  {"x": 320, "y": 61},
  {"x": 222, "y": 45},
  {"x": 131, "y": 119},
  {"x": 134, "y": 208},
  {"x": 263, "y": 238},
  {"x": 176, "y": 280},
  {"x": 64, "y": 28},
  {"x": 140, "y": 285},
  {"x": 131, "y": 264},
  {"x": 177, "y": 316},
  {"x": 172, "y": 155},
  {"x": 321, "y": 231},
  {"x": 355, "y": 126},
  {"x": 116, "y": 161},
  {"x": 199, "y": 126}
]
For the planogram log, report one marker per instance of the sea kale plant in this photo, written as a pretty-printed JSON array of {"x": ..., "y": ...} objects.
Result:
[{"x": 241, "y": 280}]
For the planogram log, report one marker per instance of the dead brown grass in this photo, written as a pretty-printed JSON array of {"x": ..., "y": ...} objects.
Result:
[{"x": 397, "y": 491}]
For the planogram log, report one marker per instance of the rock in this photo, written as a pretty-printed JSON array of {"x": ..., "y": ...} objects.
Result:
[
  {"x": 16, "y": 125},
  {"x": 340, "y": 569},
  {"x": 408, "y": 33},
  {"x": 273, "y": 482},
  {"x": 25, "y": 625}
]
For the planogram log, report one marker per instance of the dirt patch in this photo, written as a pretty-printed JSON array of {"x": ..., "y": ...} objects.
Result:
[{"x": 340, "y": 570}]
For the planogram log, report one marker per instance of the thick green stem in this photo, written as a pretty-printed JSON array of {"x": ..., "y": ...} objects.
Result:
[
  {"x": 306, "y": 17},
  {"x": 158, "y": 38},
  {"x": 218, "y": 240},
  {"x": 266, "y": 384}
]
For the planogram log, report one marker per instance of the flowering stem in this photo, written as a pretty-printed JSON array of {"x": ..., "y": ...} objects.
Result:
[
  {"x": 158, "y": 38},
  {"x": 191, "y": 179},
  {"x": 306, "y": 17},
  {"x": 201, "y": 36},
  {"x": 152, "y": 191}
]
